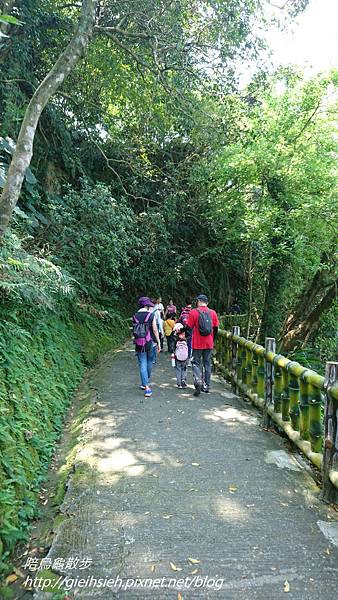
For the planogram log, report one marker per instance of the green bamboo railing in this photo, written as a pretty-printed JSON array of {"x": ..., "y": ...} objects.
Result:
[{"x": 288, "y": 394}]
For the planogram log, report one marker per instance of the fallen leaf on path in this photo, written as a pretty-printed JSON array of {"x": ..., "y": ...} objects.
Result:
[
  {"x": 286, "y": 586},
  {"x": 195, "y": 464},
  {"x": 152, "y": 568},
  {"x": 328, "y": 551},
  {"x": 194, "y": 572},
  {"x": 232, "y": 488},
  {"x": 284, "y": 504},
  {"x": 193, "y": 561},
  {"x": 174, "y": 567},
  {"x": 273, "y": 568},
  {"x": 167, "y": 516},
  {"x": 179, "y": 596},
  {"x": 11, "y": 578},
  {"x": 147, "y": 513}
]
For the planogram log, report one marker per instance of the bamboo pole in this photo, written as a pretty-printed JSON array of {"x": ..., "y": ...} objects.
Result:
[
  {"x": 304, "y": 409},
  {"x": 330, "y": 455},
  {"x": 260, "y": 376},
  {"x": 285, "y": 395},
  {"x": 294, "y": 399},
  {"x": 278, "y": 389},
  {"x": 248, "y": 364},
  {"x": 269, "y": 374},
  {"x": 315, "y": 418},
  {"x": 254, "y": 381},
  {"x": 236, "y": 331}
]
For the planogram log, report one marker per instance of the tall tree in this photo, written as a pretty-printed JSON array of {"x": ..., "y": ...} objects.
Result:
[{"x": 24, "y": 145}]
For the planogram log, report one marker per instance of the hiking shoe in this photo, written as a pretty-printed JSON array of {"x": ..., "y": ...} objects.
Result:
[
  {"x": 179, "y": 386},
  {"x": 197, "y": 390},
  {"x": 148, "y": 393},
  {"x": 184, "y": 384}
]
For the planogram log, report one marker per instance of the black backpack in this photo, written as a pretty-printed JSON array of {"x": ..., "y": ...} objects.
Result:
[{"x": 204, "y": 322}]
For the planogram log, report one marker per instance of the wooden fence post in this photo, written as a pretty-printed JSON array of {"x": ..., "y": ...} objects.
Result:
[
  {"x": 270, "y": 346},
  {"x": 330, "y": 454}
]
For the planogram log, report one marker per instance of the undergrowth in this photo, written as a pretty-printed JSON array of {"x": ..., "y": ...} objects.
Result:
[{"x": 47, "y": 337}]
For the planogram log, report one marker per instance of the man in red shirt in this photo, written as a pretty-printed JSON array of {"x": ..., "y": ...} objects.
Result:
[{"x": 204, "y": 324}]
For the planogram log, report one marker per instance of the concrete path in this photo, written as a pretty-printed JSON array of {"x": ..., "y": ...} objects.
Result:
[{"x": 189, "y": 498}]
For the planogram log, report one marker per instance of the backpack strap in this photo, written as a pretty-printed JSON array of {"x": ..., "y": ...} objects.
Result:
[{"x": 145, "y": 320}]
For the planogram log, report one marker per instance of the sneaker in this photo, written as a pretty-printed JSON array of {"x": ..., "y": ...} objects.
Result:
[
  {"x": 142, "y": 387},
  {"x": 205, "y": 389},
  {"x": 189, "y": 363},
  {"x": 197, "y": 390},
  {"x": 179, "y": 386},
  {"x": 148, "y": 393},
  {"x": 184, "y": 384}
]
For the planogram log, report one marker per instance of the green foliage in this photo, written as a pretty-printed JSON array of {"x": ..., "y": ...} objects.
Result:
[
  {"x": 272, "y": 188},
  {"x": 93, "y": 236},
  {"x": 30, "y": 279},
  {"x": 46, "y": 339},
  {"x": 40, "y": 367}
]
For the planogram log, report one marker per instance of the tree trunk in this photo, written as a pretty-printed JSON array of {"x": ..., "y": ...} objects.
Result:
[
  {"x": 302, "y": 331},
  {"x": 277, "y": 282},
  {"x": 250, "y": 283},
  {"x": 308, "y": 298},
  {"x": 24, "y": 146}
]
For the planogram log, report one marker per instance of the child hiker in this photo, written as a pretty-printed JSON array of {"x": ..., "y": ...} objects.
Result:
[
  {"x": 169, "y": 325},
  {"x": 181, "y": 355}
]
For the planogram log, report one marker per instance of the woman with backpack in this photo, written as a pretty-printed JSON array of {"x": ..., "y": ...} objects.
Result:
[{"x": 145, "y": 333}]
